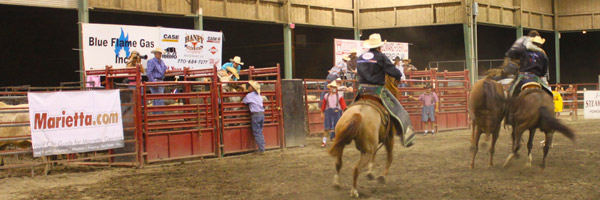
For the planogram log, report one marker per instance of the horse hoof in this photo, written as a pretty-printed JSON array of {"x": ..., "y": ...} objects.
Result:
[
  {"x": 381, "y": 180},
  {"x": 528, "y": 165},
  {"x": 370, "y": 176},
  {"x": 354, "y": 193},
  {"x": 337, "y": 186}
]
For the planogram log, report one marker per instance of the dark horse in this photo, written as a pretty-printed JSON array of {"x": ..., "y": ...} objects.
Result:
[
  {"x": 486, "y": 108},
  {"x": 533, "y": 109},
  {"x": 365, "y": 122}
]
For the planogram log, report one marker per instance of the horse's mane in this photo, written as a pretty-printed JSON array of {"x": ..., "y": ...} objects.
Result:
[{"x": 390, "y": 84}]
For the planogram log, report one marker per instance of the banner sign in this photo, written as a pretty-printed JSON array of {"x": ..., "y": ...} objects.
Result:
[
  {"x": 390, "y": 49},
  {"x": 74, "y": 122},
  {"x": 591, "y": 104},
  {"x": 108, "y": 44}
]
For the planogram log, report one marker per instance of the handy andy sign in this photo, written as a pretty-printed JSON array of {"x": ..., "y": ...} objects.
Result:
[
  {"x": 390, "y": 49},
  {"x": 73, "y": 122},
  {"x": 107, "y": 44},
  {"x": 591, "y": 104}
]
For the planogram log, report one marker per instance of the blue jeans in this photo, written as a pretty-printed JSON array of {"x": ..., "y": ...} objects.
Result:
[
  {"x": 158, "y": 90},
  {"x": 258, "y": 121},
  {"x": 428, "y": 113},
  {"x": 332, "y": 116}
]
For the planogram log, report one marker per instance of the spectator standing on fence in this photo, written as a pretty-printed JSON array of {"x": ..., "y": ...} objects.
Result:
[
  {"x": 255, "y": 103},
  {"x": 351, "y": 74},
  {"x": 430, "y": 107},
  {"x": 156, "y": 73},
  {"x": 235, "y": 63},
  {"x": 571, "y": 94},
  {"x": 558, "y": 101},
  {"x": 332, "y": 107},
  {"x": 340, "y": 68}
]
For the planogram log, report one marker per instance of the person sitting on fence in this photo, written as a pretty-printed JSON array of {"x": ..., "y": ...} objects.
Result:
[
  {"x": 340, "y": 68},
  {"x": 333, "y": 105},
  {"x": 235, "y": 63},
  {"x": 430, "y": 102},
  {"x": 156, "y": 73},
  {"x": 558, "y": 101},
  {"x": 408, "y": 67},
  {"x": 400, "y": 66},
  {"x": 255, "y": 103}
]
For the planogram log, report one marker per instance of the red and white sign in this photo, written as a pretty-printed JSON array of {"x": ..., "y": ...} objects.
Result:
[
  {"x": 390, "y": 49},
  {"x": 74, "y": 122}
]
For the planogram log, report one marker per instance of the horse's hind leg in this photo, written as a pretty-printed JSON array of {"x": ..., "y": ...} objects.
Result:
[
  {"x": 389, "y": 147},
  {"x": 547, "y": 144},
  {"x": 495, "y": 135},
  {"x": 529, "y": 146},
  {"x": 474, "y": 143},
  {"x": 365, "y": 158},
  {"x": 338, "y": 166}
]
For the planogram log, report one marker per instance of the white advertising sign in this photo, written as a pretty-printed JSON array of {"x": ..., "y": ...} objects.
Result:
[
  {"x": 107, "y": 44},
  {"x": 390, "y": 49},
  {"x": 591, "y": 104},
  {"x": 73, "y": 122},
  {"x": 191, "y": 48}
]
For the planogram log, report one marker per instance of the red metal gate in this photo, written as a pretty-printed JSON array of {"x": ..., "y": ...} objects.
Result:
[
  {"x": 185, "y": 126},
  {"x": 236, "y": 130}
]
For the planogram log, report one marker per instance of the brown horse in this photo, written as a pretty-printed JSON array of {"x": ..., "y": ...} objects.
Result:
[
  {"x": 533, "y": 109},
  {"x": 486, "y": 109},
  {"x": 365, "y": 123}
]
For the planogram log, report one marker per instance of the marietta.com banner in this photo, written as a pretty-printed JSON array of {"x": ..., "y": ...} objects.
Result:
[
  {"x": 74, "y": 122},
  {"x": 390, "y": 49},
  {"x": 108, "y": 44}
]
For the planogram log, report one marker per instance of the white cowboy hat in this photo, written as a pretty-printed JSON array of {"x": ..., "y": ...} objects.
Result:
[
  {"x": 158, "y": 50},
  {"x": 346, "y": 57},
  {"x": 374, "y": 41},
  {"x": 353, "y": 51},
  {"x": 237, "y": 60},
  {"x": 255, "y": 85},
  {"x": 538, "y": 39},
  {"x": 234, "y": 72},
  {"x": 332, "y": 84},
  {"x": 406, "y": 59}
]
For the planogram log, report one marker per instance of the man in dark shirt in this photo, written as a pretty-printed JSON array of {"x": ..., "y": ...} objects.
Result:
[
  {"x": 533, "y": 62},
  {"x": 372, "y": 66}
]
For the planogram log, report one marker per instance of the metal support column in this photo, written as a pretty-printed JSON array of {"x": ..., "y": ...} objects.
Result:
[
  {"x": 519, "y": 32},
  {"x": 356, "y": 34},
  {"x": 468, "y": 37},
  {"x": 83, "y": 16},
  {"x": 198, "y": 25},
  {"x": 557, "y": 54},
  {"x": 287, "y": 51}
]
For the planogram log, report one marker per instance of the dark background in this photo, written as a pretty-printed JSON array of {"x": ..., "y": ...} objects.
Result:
[{"x": 37, "y": 44}]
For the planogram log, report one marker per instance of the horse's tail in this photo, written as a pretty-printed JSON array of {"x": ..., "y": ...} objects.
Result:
[
  {"x": 346, "y": 134},
  {"x": 548, "y": 121}
]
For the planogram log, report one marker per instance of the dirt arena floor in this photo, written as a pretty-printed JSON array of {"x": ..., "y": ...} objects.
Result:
[{"x": 435, "y": 168}]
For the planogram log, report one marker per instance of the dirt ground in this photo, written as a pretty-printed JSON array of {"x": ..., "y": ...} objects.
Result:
[{"x": 435, "y": 168}]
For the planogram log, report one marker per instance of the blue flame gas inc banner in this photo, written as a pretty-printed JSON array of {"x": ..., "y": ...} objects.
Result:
[{"x": 107, "y": 44}]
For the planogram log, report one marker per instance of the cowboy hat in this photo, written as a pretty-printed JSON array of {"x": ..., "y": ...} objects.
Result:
[
  {"x": 374, "y": 41},
  {"x": 234, "y": 72},
  {"x": 406, "y": 59},
  {"x": 237, "y": 60},
  {"x": 538, "y": 39},
  {"x": 353, "y": 51},
  {"x": 255, "y": 85},
  {"x": 332, "y": 84},
  {"x": 346, "y": 57},
  {"x": 158, "y": 50},
  {"x": 428, "y": 86}
]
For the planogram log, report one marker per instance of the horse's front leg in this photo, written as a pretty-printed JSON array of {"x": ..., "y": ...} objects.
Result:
[
  {"x": 389, "y": 147},
  {"x": 370, "y": 169}
]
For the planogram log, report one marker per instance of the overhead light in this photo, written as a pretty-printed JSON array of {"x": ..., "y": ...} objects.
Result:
[{"x": 584, "y": 32}]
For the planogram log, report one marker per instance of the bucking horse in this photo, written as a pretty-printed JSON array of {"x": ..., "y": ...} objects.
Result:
[{"x": 368, "y": 124}]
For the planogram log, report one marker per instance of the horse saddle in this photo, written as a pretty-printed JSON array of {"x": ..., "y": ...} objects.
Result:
[{"x": 395, "y": 110}]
